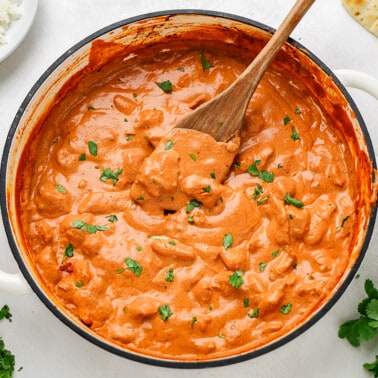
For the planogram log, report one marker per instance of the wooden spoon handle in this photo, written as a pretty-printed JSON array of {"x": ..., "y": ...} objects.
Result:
[{"x": 254, "y": 72}]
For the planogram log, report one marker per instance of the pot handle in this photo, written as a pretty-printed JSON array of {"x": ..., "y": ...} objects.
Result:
[
  {"x": 358, "y": 80},
  {"x": 13, "y": 283}
]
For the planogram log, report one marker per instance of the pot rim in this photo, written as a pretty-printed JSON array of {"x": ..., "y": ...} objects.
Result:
[{"x": 82, "y": 331}]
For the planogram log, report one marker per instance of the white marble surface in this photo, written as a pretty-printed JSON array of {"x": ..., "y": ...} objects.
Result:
[{"x": 46, "y": 348}]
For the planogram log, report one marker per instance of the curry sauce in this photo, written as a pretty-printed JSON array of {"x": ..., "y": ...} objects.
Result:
[{"x": 169, "y": 243}]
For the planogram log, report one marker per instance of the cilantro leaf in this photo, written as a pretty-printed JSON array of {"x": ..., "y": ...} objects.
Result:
[
  {"x": 133, "y": 266},
  {"x": 205, "y": 63},
  {"x": 165, "y": 312},
  {"x": 60, "y": 188},
  {"x": 266, "y": 176},
  {"x": 166, "y": 86},
  {"x": 372, "y": 366},
  {"x": 293, "y": 201},
  {"x": 92, "y": 147},
  {"x": 228, "y": 240},
  {"x": 236, "y": 279},
  {"x": 108, "y": 174},
  {"x": 7, "y": 361},
  {"x": 5, "y": 313},
  {"x": 372, "y": 309},
  {"x": 192, "y": 205},
  {"x": 357, "y": 329},
  {"x": 252, "y": 169},
  {"x": 370, "y": 289}
]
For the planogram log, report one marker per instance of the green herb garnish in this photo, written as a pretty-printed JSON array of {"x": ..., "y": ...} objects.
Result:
[
  {"x": 366, "y": 326},
  {"x": 112, "y": 218},
  {"x": 90, "y": 228},
  {"x": 168, "y": 145},
  {"x": 193, "y": 156},
  {"x": 228, "y": 240},
  {"x": 165, "y": 312},
  {"x": 133, "y": 266},
  {"x": 92, "y": 147},
  {"x": 236, "y": 279},
  {"x": 285, "y": 309},
  {"x": 108, "y": 174},
  {"x": 60, "y": 188},
  {"x": 170, "y": 276},
  {"x": 262, "y": 266},
  {"x": 166, "y": 86},
  {"x": 294, "y": 134},
  {"x": 293, "y": 201},
  {"x": 5, "y": 313},
  {"x": 286, "y": 120},
  {"x": 253, "y": 170},
  {"x": 7, "y": 361},
  {"x": 192, "y": 205},
  {"x": 253, "y": 313},
  {"x": 205, "y": 63}
]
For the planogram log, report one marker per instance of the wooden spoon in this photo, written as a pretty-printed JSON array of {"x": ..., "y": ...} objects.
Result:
[{"x": 223, "y": 116}]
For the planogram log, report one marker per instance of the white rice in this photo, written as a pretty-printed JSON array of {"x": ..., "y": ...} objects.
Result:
[{"x": 9, "y": 12}]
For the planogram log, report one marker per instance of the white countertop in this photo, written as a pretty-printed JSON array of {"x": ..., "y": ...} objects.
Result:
[{"x": 42, "y": 344}]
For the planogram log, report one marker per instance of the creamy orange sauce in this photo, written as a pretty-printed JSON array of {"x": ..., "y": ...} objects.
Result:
[{"x": 169, "y": 243}]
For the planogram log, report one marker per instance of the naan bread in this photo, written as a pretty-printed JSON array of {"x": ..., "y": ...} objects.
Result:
[{"x": 365, "y": 12}]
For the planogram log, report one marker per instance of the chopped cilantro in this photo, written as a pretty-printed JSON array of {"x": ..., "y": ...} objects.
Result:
[
  {"x": 193, "y": 156},
  {"x": 60, "y": 188},
  {"x": 266, "y": 176},
  {"x": 168, "y": 145},
  {"x": 90, "y": 228},
  {"x": 207, "y": 189},
  {"x": 92, "y": 147},
  {"x": 133, "y": 266},
  {"x": 236, "y": 279},
  {"x": 205, "y": 63},
  {"x": 112, "y": 218},
  {"x": 165, "y": 312},
  {"x": 286, "y": 120},
  {"x": 294, "y": 134},
  {"x": 120, "y": 270},
  {"x": 212, "y": 175},
  {"x": 83, "y": 157},
  {"x": 108, "y": 174},
  {"x": 228, "y": 240},
  {"x": 293, "y": 201},
  {"x": 253, "y": 170},
  {"x": 285, "y": 309},
  {"x": 79, "y": 283},
  {"x": 166, "y": 86},
  {"x": 253, "y": 313},
  {"x": 297, "y": 111},
  {"x": 194, "y": 320},
  {"x": 246, "y": 302},
  {"x": 262, "y": 266},
  {"x": 170, "y": 276},
  {"x": 262, "y": 200},
  {"x": 5, "y": 313},
  {"x": 192, "y": 205}
]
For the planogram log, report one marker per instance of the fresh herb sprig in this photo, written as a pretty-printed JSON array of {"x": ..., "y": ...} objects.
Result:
[{"x": 366, "y": 326}]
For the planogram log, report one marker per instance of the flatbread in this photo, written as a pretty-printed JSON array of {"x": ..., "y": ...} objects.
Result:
[{"x": 365, "y": 12}]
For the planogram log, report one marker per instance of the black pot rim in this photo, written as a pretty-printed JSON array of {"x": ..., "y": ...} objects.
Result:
[{"x": 145, "y": 358}]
